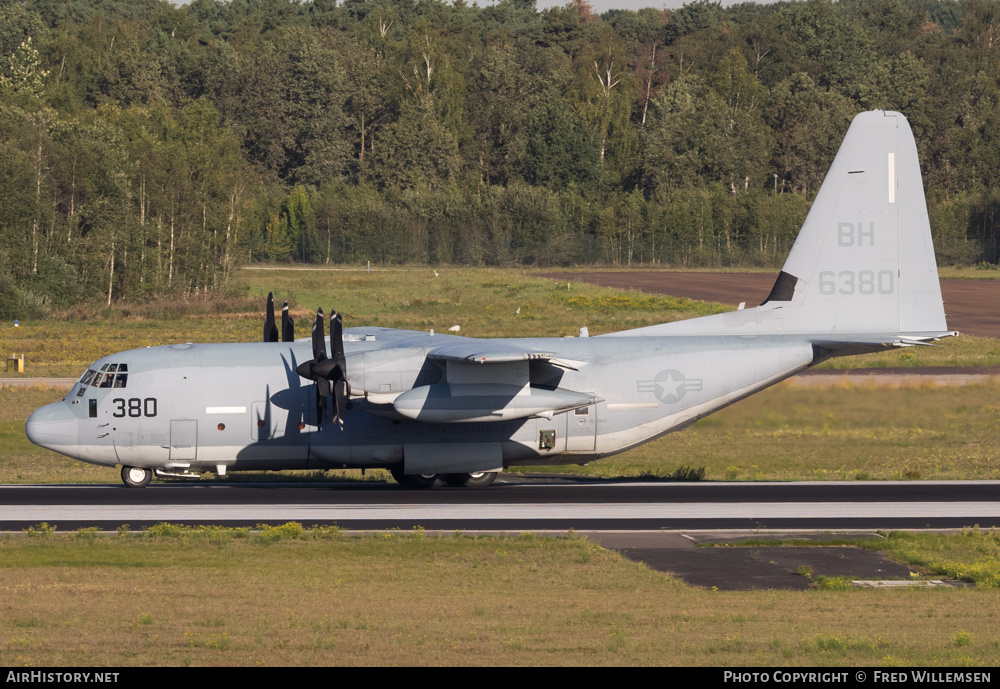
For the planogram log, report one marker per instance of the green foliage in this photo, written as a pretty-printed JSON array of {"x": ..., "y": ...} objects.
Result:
[
  {"x": 832, "y": 583},
  {"x": 560, "y": 150},
  {"x": 809, "y": 123},
  {"x": 165, "y": 530},
  {"x": 973, "y": 555},
  {"x": 687, "y": 473},
  {"x": 273, "y": 534},
  {"x": 22, "y": 74},
  {"x": 88, "y": 533},
  {"x": 149, "y": 149},
  {"x": 57, "y": 280},
  {"x": 43, "y": 530},
  {"x": 417, "y": 151},
  {"x": 18, "y": 302}
]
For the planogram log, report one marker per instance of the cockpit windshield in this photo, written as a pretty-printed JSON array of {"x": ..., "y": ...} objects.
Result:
[{"x": 110, "y": 376}]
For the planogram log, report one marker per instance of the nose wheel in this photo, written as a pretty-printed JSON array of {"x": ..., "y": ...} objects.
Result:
[{"x": 136, "y": 477}]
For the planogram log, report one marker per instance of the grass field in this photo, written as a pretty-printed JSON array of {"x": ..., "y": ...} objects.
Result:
[{"x": 291, "y": 596}]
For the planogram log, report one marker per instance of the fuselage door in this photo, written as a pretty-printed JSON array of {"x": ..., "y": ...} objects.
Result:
[
  {"x": 581, "y": 429},
  {"x": 183, "y": 440}
]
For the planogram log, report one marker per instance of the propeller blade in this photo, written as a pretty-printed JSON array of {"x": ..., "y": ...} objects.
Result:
[
  {"x": 287, "y": 325},
  {"x": 338, "y": 377},
  {"x": 270, "y": 329},
  {"x": 319, "y": 357},
  {"x": 307, "y": 369},
  {"x": 340, "y": 401},
  {"x": 322, "y": 391},
  {"x": 334, "y": 368},
  {"x": 318, "y": 338},
  {"x": 329, "y": 372},
  {"x": 337, "y": 342}
]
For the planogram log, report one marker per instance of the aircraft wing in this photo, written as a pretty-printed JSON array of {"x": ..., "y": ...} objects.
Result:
[
  {"x": 457, "y": 348},
  {"x": 495, "y": 352},
  {"x": 471, "y": 392},
  {"x": 484, "y": 352}
]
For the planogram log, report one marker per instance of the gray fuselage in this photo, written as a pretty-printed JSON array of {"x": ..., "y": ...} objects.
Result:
[{"x": 243, "y": 407}]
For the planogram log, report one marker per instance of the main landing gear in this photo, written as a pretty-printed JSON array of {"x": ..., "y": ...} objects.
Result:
[
  {"x": 477, "y": 479},
  {"x": 136, "y": 477}
]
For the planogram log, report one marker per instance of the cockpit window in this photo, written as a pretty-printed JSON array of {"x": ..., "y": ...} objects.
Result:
[{"x": 107, "y": 377}]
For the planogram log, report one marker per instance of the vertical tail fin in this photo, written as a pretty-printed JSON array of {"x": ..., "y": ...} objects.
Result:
[
  {"x": 864, "y": 260},
  {"x": 862, "y": 269}
]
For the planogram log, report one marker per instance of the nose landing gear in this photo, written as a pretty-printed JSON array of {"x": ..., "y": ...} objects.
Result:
[{"x": 136, "y": 477}]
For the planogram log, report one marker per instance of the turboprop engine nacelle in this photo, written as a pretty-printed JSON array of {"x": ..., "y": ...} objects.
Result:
[{"x": 466, "y": 403}]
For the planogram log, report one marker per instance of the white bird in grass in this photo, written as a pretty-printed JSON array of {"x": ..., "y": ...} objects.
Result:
[{"x": 454, "y": 328}]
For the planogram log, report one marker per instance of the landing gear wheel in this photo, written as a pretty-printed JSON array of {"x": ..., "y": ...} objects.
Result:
[
  {"x": 136, "y": 477},
  {"x": 477, "y": 479},
  {"x": 417, "y": 480},
  {"x": 426, "y": 480},
  {"x": 398, "y": 476}
]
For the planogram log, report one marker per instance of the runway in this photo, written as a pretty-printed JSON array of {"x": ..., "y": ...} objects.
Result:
[
  {"x": 658, "y": 523},
  {"x": 517, "y": 504}
]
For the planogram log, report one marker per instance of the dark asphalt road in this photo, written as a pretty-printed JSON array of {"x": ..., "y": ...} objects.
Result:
[{"x": 661, "y": 543}]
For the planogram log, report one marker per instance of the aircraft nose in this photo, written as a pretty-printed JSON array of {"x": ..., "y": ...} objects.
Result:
[{"x": 53, "y": 427}]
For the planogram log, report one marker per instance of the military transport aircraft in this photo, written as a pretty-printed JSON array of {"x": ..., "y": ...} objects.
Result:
[{"x": 436, "y": 409}]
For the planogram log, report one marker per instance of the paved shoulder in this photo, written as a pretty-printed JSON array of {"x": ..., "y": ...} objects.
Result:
[{"x": 31, "y": 382}]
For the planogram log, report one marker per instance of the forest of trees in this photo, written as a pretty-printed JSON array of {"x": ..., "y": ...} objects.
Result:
[{"x": 148, "y": 149}]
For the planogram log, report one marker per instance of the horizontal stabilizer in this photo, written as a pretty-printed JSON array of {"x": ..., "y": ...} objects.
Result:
[{"x": 843, "y": 345}]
